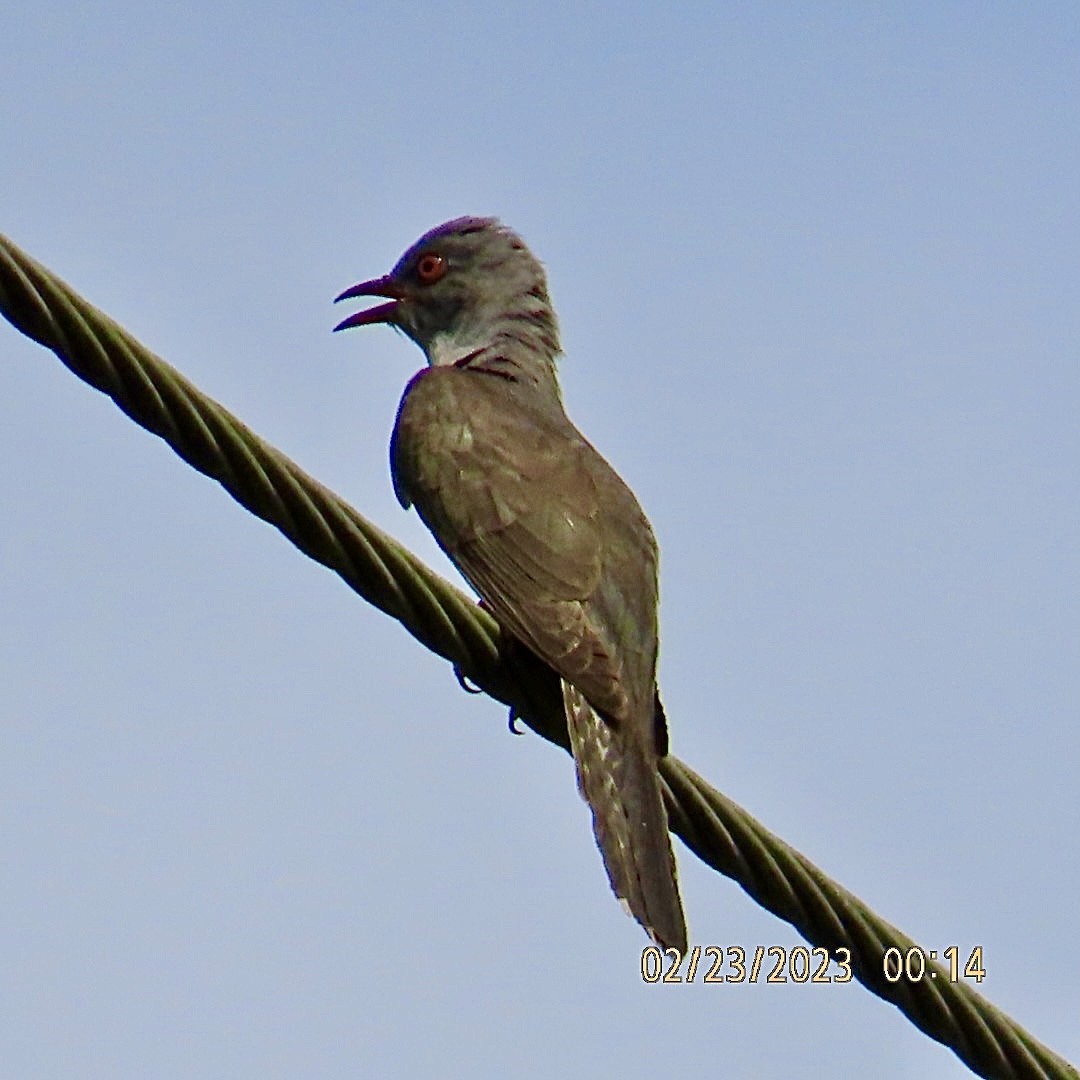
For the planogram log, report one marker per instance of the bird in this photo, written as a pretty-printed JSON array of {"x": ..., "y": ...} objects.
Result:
[{"x": 553, "y": 541}]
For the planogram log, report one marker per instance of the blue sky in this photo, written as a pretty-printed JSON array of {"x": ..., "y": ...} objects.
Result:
[{"x": 816, "y": 269}]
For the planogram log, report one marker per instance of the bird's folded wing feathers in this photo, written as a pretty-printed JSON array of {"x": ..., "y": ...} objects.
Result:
[
  {"x": 538, "y": 567},
  {"x": 513, "y": 501}
]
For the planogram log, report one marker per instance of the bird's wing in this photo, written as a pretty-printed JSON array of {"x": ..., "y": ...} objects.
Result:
[{"x": 515, "y": 499}]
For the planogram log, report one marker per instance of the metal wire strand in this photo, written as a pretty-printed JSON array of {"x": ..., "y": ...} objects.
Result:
[{"x": 449, "y": 623}]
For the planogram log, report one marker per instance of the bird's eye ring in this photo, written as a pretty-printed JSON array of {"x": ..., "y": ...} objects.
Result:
[{"x": 430, "y": 268}]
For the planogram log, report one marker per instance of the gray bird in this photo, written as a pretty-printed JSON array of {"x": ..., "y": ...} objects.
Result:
[{"x": 539, "y": 523}]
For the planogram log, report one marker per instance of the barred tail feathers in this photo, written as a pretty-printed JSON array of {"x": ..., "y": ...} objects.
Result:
[{"x": 617, "y": 777}]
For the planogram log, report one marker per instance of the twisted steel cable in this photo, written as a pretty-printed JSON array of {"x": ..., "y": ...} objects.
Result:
[{"x": 449, "y": 623}]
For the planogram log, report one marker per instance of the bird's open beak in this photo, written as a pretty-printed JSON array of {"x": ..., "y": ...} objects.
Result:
[{"x": 382, "y": 313}]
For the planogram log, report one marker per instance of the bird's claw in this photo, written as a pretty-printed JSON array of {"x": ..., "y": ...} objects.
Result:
[
  {"x": 512, "y": 720},
  {"x": 463, "y": 682}
]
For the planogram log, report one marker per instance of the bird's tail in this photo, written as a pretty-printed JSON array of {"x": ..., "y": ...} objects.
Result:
[{"x": 617, "y": 777}]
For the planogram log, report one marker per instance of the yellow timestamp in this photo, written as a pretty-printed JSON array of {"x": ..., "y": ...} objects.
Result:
[
  {"x": 915, "y": 964},
  {"x": 735, "y": 964}
]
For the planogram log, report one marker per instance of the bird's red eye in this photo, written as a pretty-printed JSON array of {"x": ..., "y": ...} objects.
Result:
[{"x": 430, "y": 268}]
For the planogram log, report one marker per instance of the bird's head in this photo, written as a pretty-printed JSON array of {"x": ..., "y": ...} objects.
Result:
[{"x": 459, "y": 289}]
